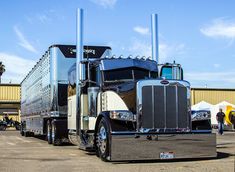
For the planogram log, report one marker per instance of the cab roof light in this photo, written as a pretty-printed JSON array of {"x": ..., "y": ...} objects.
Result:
[
  {"x": 130, "y": 57},
  {"x": 113, "y": 57},
  {"x": 120, "y": 57}
]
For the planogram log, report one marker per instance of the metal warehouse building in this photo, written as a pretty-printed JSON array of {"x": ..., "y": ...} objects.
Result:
[
  {"x": 212, "y": 95},
  {"x": 10, "y": 98},
  {"x": 10, "y": 101}
]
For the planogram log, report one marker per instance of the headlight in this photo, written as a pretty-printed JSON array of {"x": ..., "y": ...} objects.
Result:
[{"x": 122, "y": 115}]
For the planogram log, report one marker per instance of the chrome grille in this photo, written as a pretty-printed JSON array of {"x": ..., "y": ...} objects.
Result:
[{"x": 163, "y": 107}]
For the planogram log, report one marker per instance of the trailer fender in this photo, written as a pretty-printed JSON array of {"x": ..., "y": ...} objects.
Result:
[{"x": 61, "y": 128}]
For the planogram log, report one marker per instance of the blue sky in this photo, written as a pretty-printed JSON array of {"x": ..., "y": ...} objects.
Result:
[{"x": 197, "y": 34}]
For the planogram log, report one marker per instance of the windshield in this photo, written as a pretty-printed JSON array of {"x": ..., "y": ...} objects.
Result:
[
  {"x": 172, "y": 72},
  {"x": 128, "y": 74},
  {"x": 167, "y": 73}
]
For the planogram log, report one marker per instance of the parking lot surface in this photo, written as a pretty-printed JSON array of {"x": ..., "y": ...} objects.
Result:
[{"x": 29, "y": 154}]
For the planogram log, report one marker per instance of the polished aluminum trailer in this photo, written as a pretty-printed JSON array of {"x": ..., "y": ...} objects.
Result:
[{"x": 44, "y": 95}]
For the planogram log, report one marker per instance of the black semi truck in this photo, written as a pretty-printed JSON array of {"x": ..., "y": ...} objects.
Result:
[{"x": 122, "y": 108}]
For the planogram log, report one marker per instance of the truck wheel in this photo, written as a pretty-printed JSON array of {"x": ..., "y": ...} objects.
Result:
[
  {"x": 56, "y": 141},
  {"x": 22, "y": 130},
  {"x": 17, "y": 126},
  {"x": 26, "y": 134},
  {"x": 102, "y": 140},
  {"x": 48, "y": 137}
]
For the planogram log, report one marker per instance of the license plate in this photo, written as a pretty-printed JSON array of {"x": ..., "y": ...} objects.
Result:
[{"x": 167, "y": 155}]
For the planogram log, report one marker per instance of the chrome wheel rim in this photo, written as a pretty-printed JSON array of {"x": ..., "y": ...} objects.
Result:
[{"x": 102, "y": 139}]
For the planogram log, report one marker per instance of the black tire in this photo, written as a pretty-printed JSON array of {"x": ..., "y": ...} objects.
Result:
[
  {"x": 56, "y": 141},
  {"x": 22, "y": 130},
  {"x": 3, "y": 127},
  {"x": 17, "y": 126},
  {"x": 26, "y": 134},
  {"x": 48, "y": 136},
  {"x": 102, "y": 140}
]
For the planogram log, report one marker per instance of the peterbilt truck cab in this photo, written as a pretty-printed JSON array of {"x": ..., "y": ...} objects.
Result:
[{"x": 130, "y": 107}]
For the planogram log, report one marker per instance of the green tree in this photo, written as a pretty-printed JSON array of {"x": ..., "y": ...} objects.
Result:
[{"x": 2, "y": 70}]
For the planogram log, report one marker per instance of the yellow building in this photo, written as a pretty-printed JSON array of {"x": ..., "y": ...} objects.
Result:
[
  {"x": 212, "y": 95},
  {"x": 10, "y": 101},
  {"x": 10, "y": 98}
]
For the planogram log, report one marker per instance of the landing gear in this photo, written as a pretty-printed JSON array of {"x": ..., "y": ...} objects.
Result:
[{"x": 102, "y": 140}]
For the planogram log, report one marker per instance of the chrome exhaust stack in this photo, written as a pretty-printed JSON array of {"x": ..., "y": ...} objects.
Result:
[
  {"x": 80, "y": 68},
  {"x": 79, "y": 46},
  {"x": 154, "y": 37}
]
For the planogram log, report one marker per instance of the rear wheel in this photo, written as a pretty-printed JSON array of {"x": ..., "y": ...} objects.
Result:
[
  {"x": 48, "y": 137},
  {"x": 17, "y": 126},
  {"x": 102, "y": 140},
  {"x": 56, "y": 141},
  {"x": 22, "y": 128},
  {"x": 3, "y": 127},
  {"x": 26, "y": 134}
]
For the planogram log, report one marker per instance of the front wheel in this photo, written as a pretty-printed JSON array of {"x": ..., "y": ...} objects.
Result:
[{"x": 102, "y": 140}]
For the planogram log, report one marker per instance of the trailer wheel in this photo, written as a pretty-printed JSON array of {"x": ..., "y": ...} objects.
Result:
[
  {"x": 17, "y": 126},
  {"x": 48, "y": 137},
  {"x": 102, "y": 140},
  {"x": 56, "y": 141},
  {"x": 26, "y": 134},
  {"x": 23, "y": 128}
]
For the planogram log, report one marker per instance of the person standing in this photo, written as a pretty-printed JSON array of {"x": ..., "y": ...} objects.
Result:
[{"x": 220, "y": 118}]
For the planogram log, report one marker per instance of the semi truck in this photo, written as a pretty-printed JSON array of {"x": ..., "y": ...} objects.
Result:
[
  {"x": 44, "y": 93},
  {"x": 129, "y": 108},
  {"x": 132, "y": 108}
]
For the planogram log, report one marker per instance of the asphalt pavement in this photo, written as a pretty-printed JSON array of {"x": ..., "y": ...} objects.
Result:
[{"x": 29, "y": 154}]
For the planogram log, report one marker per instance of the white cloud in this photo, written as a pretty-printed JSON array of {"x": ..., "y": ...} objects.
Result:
[
  {"x": 142, "y": 30},
  {"x": 216, "y": 65},
  {"x": 43, "y": 18},
  {"x": 105, "y": 3},
  {"x": 23, "y": 41},
  {"x": 16, "y": 67},
  {"x": 140, "y": 48},
  {"x": 166, "y": 51},
  {"x": 227, "y": 77},
  {"x": 220, "y": 28}
]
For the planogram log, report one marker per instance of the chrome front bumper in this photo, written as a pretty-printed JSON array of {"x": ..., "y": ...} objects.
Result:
[{"x": 143, "y": 147}]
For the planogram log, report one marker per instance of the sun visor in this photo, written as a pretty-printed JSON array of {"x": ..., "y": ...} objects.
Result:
[{"x": 112, "y": 64}]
